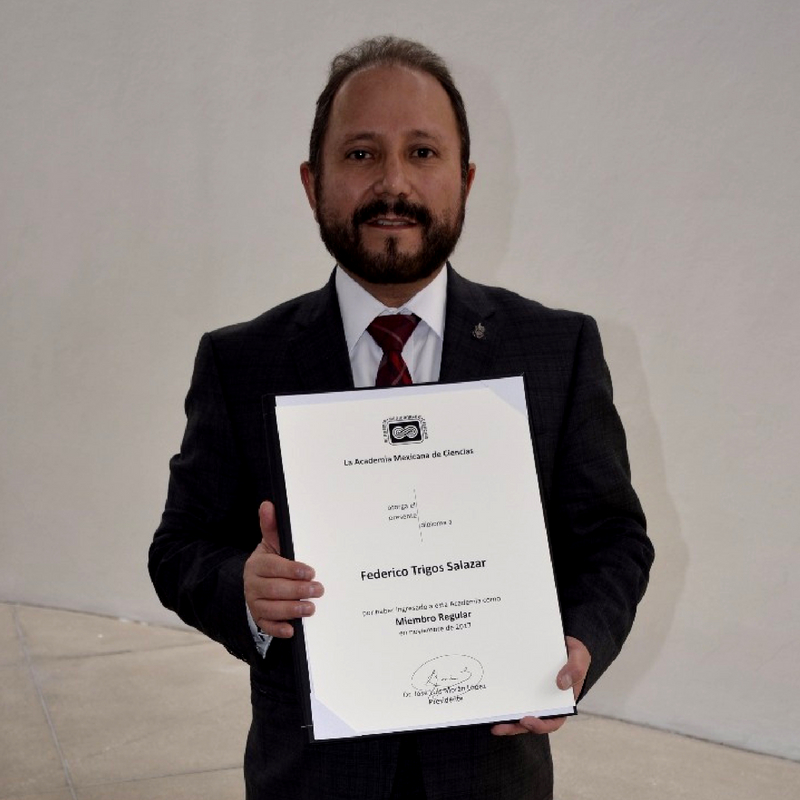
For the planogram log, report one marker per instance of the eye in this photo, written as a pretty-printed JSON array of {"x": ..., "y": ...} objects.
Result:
[
  {"x": 423, "y": 152},
  {"x": 358, "y": 155}
]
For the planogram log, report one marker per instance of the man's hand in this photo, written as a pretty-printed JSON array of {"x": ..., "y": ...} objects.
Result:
[
  {"x": 275, "y": 588},
  {"x": 572, "y": 674}
]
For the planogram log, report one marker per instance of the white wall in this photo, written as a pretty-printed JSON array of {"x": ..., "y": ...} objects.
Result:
[{"x": 637, "y": 160}]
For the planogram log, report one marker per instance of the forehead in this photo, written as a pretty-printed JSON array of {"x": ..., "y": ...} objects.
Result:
[{"x": 391, "y": 101}]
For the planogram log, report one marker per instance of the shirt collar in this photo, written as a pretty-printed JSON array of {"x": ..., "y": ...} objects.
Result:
[{"x": 359, "y": 307}]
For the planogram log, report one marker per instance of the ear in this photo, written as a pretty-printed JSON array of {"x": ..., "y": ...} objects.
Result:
[
  {"x": 470, "y": 179},
  {"x": 307, "y": 178}
]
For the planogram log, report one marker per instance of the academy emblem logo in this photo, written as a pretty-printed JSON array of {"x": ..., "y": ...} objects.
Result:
[{"x": 404, "y": 430}]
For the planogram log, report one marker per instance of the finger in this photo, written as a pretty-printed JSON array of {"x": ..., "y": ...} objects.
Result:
[
  {"x": 281, "y": 610},
  {"x": 529, "y": 725},
  {"x": 269, "y": 527},
  {"x": 269, "y": 565},
  {"x": 280, "y": 589},
  {"x": 278, "y": 630},
  {"x": 273, "y": 617}
]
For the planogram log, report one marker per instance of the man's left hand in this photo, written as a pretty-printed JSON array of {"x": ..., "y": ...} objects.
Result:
[{"x": 572, "y": 674}]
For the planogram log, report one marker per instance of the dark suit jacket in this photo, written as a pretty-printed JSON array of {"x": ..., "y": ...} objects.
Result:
[{"x": 210, "y": 524}]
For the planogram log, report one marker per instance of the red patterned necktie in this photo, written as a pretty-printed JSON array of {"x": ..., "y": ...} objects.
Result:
[{"x": 391, "y": 332}]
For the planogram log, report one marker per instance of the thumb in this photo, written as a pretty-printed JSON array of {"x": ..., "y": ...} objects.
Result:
[
  {"x": 573, "y": 673},
  {"x": 269, "y": 527},
  {"x": 565, "y": 678}
]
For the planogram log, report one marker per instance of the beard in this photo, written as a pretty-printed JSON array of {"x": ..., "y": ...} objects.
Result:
[{"x": 344, "y": 242}]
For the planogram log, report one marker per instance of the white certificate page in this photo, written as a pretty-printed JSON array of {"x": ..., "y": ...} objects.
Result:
[{"x": 419, "y": 509}]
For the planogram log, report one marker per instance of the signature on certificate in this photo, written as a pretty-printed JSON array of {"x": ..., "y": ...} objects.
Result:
[{"x": 447, "y": 673}]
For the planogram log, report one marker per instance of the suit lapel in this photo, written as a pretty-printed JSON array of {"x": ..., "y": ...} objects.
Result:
[
  {"x": 319, "y": 350},
  {"x": 471, "y": 331}
]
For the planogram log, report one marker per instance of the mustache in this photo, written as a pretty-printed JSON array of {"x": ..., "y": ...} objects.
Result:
[{"x": 400, "y": 208}]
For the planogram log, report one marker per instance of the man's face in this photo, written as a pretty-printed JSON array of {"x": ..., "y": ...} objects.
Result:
[{"x": 390, "y": 197}]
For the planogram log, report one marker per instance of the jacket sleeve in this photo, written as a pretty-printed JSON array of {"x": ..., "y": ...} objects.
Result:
[
  {"x": 601, "y": 551},
  {"x": 198, "y": 553}
]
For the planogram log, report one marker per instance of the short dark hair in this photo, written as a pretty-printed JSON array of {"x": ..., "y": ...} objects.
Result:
[{"x": 379, "y": 51}]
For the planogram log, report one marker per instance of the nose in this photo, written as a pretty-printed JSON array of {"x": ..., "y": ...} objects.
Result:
[{"x": 393, "y": 179}]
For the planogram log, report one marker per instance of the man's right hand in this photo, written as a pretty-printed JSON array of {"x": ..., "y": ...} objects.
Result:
[{"x": 276, "y": 589}]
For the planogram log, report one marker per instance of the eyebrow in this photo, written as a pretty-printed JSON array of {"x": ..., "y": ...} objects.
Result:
[
  {"x": 361, "y": 136},
  {"x": 358, "y": 137}
]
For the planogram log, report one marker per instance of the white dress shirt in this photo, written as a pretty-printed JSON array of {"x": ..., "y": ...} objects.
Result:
[{"x": 422, "y": 352}]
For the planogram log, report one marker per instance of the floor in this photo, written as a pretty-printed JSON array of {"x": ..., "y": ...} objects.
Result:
[{"x": 93, "y": 708}]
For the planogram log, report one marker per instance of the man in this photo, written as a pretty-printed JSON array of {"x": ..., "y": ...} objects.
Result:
[{"x": 387, "y": 178}]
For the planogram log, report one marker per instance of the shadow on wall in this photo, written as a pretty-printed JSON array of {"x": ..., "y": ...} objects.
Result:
[
  {"x": 485, "y": 243},
  {"x": 616, "y": 693}
]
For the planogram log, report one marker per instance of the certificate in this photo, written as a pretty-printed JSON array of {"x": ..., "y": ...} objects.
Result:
[{"x": 419, "y": 508}]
